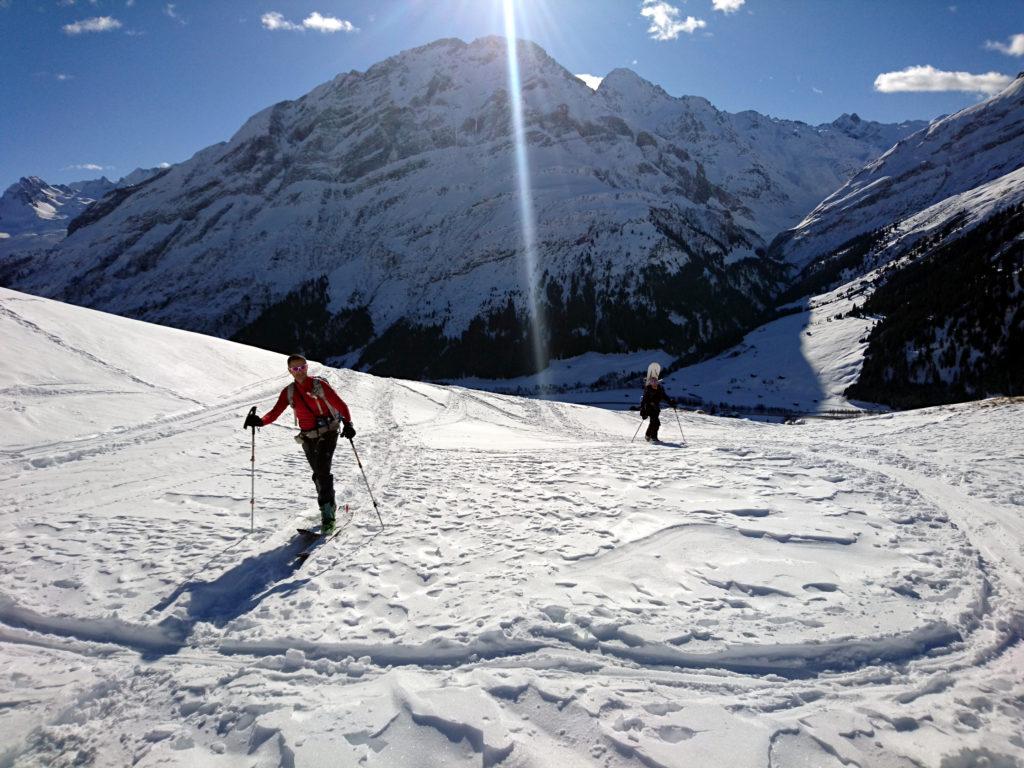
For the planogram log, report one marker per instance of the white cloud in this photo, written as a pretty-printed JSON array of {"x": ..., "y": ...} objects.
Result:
[
  {"x": 163, "y": 165},
  {"x": 275, "y": 20},
  {"x": 915, "y": 79},
  {"x": 129, "y": 3},
  {"x": 592, "y": 81},
  {"x": 817, "y": 90},
  {"x": 326, "y": 24},
  {"x": 97, "y": 24},
  {"x": 84, "y": 167},
  {"x": 1015, "y": 48},
  {"x": 665, "y": 24},
  {"x": 728, "y": 6},
  {"x": 63, "y": 76}
]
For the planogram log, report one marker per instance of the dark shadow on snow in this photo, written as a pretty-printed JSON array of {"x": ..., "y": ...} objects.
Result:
[{"x": 236, "y": 591}]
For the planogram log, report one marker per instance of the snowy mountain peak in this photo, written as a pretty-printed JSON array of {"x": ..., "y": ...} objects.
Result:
[
  {"x": 847, "y": 120},
  {"x": 626, "y": 80},
  {"x": 31, "y": 206},
  {"x": 386, "y": 199}
]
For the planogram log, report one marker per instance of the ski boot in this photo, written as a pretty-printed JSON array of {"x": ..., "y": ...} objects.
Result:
[{"x": 327, "y": 521}]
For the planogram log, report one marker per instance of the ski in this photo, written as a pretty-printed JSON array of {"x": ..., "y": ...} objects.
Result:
[{"x": 318, "y": 538}]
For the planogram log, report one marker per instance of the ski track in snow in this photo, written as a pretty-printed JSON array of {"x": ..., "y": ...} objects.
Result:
[{"x": 544, "y": 591}]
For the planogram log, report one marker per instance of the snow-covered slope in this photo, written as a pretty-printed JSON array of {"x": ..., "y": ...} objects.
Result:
[
  {"x": 544, "y": 593},
  {"x": 774, "y": 170},
  {"x": 803, "y": 362},
  {"x": 385, "y": 204},
  {"x": 931, "y": 224},
  {"x": 953, "y": 155},
  {"x": 807, "y": 360}
]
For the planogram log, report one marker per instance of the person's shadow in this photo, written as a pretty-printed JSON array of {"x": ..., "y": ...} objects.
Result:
[{"x": 235, "y": 592}]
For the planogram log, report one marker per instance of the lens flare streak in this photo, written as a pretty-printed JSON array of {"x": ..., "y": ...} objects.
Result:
[{"x": 527, "y": 218}]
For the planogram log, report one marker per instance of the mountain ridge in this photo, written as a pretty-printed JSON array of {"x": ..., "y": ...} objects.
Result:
[{"x": 393, "y": 189}]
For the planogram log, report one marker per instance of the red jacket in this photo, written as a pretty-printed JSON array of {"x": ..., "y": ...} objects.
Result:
[{"x": 306, "y": 406}]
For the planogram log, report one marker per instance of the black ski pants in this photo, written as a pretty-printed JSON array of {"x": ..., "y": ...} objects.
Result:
[
  {"x": 655, "y": 425},
  {"x": 319, "y": 452}
]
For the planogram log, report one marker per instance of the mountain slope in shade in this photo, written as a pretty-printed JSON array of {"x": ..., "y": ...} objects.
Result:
[
  {"x": 376, "y": 220},
  {"x": 952, "y": 325},
  {"x": 924, "y": 311},
  {"x": 953, "y": 155}
]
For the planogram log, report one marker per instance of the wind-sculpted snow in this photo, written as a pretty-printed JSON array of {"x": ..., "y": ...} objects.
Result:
[
  {"x": 545, "y": 593},
  {"x": 384, "y": 204}
]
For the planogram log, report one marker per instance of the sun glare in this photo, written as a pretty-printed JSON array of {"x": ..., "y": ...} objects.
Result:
[{"x": 527, "y": 218}]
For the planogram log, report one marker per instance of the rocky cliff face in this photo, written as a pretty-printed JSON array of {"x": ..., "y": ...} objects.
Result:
[{"x": 376, "y": 219}]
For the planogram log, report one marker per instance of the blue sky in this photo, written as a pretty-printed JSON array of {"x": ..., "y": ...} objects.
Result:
[{"x": 91, "y": 87}]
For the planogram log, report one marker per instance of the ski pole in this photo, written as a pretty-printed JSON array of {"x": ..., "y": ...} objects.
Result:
[
  {"x": 637, "y": 430},
  {"x": 678, "y": 422},
  {"x": 375, "y": 508},
  {"x": 252, "y": 489}
]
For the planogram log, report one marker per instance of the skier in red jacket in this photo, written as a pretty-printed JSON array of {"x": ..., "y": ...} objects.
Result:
[{"x": 320, "y": 412}]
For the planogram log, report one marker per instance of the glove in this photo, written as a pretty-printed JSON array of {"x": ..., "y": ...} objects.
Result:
[
  {"x": 252, "y": 420},
  {"x": 348, "y": 430}
]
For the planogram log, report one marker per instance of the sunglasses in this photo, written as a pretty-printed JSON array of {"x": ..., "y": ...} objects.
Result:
[{"x": 297, "y": 368}]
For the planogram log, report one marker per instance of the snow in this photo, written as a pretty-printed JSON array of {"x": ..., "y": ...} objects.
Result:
[
  {"x": 805, "y": 361},
  {"x": 544, "y": 594},
  {"x": 959, "y": 153},
  {"x": 801, "y": 362}
]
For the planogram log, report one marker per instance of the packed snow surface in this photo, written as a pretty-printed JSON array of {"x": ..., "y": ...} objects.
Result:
[{"x": 544, "y": 593}]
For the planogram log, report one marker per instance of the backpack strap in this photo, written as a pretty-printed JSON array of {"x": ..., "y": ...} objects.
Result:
[{"x": 317, "y": 392}]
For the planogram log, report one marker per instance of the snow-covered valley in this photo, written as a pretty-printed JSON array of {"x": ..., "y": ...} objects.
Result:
[{"x": 544, "y": 593}]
